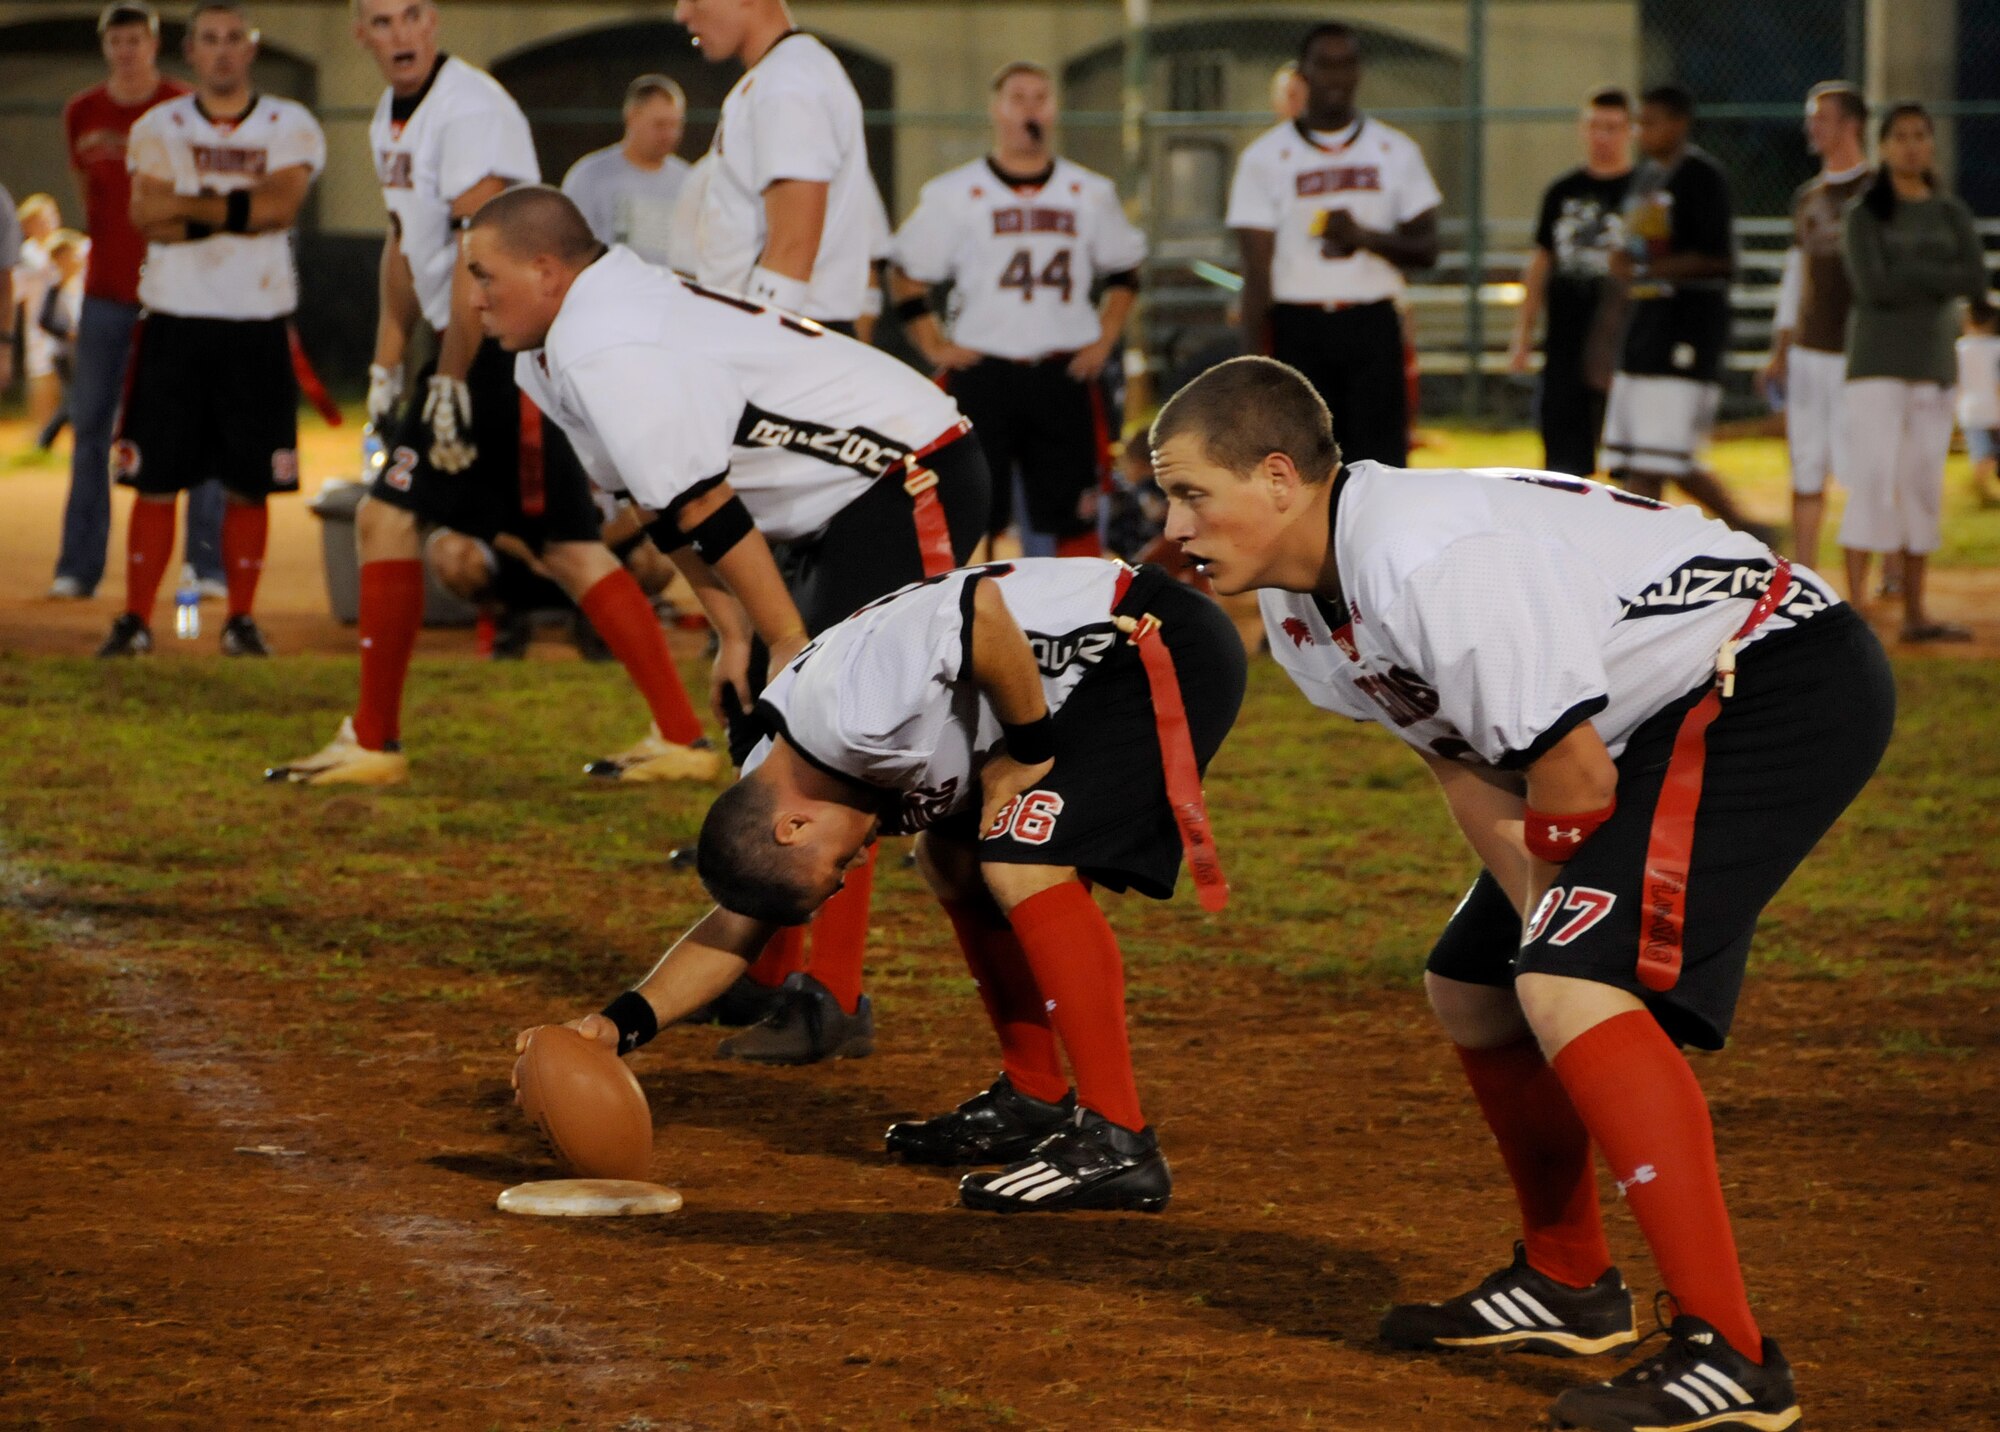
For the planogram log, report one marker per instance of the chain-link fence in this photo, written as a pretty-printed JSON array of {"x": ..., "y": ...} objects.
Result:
[{"x": 1163, "y": 94}]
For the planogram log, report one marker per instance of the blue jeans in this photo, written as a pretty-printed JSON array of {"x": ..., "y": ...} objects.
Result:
[{"x": 97, "y": 382}]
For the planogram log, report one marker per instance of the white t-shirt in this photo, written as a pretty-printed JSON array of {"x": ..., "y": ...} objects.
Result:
[
  {"x": 463, "y": 128},
  {"x": 1289, "y": 178},
  {"x": 662, "y": 386},
  {"x": 34, "y": 276},
  {"x": 241, "y": 276},
  {"x": 793, "y": 115},
  {"x": 627, "y": 205},
  {"x": 1488, "y": 611},
  {"x": 887, "y": 697},
  {"x": 1022, "y": 256},
  {"x": 1979, "y": 382}
]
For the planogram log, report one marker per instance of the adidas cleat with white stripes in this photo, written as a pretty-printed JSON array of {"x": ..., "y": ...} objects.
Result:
[
  {"x": 1697, "y": 1383},
  {"x": 1090, "y": 1163},
  {"x": 1520, "y": 1310}
]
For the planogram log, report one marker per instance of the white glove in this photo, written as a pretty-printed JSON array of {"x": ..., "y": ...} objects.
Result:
[
  {"x": 448, "y": 410},
  {"x": 385, "y": 391}
]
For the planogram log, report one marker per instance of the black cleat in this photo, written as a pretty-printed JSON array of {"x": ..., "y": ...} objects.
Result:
[
  {"x": 513, "y": 634},
  {"x": 742, "y": 1004},
  {"x": 998, "y": 1125},
  {"x": 1698, "y": 1381},
  {"x": 240, "y": 637},
  {"x": 1519, "y": 1310},
  {"x": 806, "y": 1026},
  {"x": 130, "y": 636},
  {"x": 1090, "y": 1163}
]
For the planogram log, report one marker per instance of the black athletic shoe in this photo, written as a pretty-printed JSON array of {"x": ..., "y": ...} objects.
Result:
[
  {"x": 997, "y": 1125},
  {"x": 807, "y": 1025},
  {"x": 240, "y": 637},
  {"x": 1091, "y": 1163},
  {"x": 513, "y": 634},
  {"x": 1698, "y": 1381},
  {"x": 129, "y": 637},
  {"x": 742, "y": 1004},
  {"x": 1520, "y": 1310}
]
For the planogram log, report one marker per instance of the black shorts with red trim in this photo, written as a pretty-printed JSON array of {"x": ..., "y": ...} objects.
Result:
[
  {"x": 525, "y": 481},
  {"x": 1036, "y": 417},
  {"x": 209, "y": 397},
  {"x": 1103, "y": 807},
  {"x": 1792, "y": 748}
]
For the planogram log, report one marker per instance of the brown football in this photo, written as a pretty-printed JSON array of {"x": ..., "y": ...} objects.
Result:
[{"x": 586, "y": 1103}]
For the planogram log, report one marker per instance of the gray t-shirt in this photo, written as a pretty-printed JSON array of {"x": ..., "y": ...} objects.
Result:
[
  {"x": 10, "y": 231},
  {"x": 626, "y": 204}
]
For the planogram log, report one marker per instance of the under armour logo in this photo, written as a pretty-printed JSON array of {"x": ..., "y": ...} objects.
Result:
[
  {"x": 1298, "y": 631},
  {"x": 1574, "y": 835},
  {"x": 1644, "y": 1173}
]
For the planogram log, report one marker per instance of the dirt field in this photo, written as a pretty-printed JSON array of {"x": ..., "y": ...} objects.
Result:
[{"x": 255, "y": 1042}]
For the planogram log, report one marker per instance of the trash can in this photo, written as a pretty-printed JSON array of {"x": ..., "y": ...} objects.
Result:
[{"x": 334, "y": 505}]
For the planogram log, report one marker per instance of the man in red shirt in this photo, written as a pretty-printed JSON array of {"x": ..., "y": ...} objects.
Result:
[{"x": 96, "y": 123}]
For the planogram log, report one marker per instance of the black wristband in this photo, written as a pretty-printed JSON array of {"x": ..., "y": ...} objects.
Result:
[
  {"x": 1124, "y": 278},
  {"x": 909, "y": 310},
  {"x": 716, "y": 534},
  {"x": 199, "y": 231},
  {"x": 237, "y": 210},
  {"x": 634, "y": 1016},
  {"x": 1031, "y": 742}
]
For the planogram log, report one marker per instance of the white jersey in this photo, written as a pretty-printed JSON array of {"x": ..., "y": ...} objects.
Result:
[
  {"x": 887, "y": 697},
  {"x": 1979, "y": 382},
  {"x": 240, "y": 276},
  {"x": 624, "y": 204},
  {"x": 663, "y": 387},
  {"x": 1290, "y": 177},
  {"x": 793, "y": 115},
  {"x": 462, "y": 127},
  {"x": 684, "y": 228},
  {"x": 34, "y": 276},
  {"x": 1487, "y": 612},
  {"x": 1022, "y": 257}
]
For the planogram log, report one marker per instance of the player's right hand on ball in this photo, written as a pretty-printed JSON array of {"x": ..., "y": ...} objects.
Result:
[
  {"x": 590, "y": 1026},
  {"x": 385, "y": 391},
  {"x": 448, "y": 411}
]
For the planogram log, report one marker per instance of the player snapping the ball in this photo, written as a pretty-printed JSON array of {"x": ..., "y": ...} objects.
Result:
[
  {"x": 1044, "y": 725},
  {"x": 1643, "y": 722}
]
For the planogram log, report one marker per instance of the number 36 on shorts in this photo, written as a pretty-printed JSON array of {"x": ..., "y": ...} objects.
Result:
[{"x": 1029, "y": 819}]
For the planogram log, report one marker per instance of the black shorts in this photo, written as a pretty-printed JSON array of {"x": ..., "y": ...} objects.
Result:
[
  {"x": 209, "y": 397},
  {"x": 1035, "y": 416},
  {"x": 525, "y": 481},
  {"x": 1353, "y": 357},
  {"x": 1107, "y": 812},
  {"x": 868, "y": 550},
  {"x": 1570, "y": 414},
  {"x": 1809, "y": 721}
]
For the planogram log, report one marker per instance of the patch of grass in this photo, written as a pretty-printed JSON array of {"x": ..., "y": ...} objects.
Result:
[{"x": 1920, "y": 1044}]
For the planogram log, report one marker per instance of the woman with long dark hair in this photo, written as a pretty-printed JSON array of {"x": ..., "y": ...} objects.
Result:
[{"x": 1912, "y": 253}]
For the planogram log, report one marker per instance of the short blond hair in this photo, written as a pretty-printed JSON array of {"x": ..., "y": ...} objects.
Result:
[{"x": 37, "y": 204}]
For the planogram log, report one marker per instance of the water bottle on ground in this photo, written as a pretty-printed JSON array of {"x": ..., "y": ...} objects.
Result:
[{"x": 187, "y": 612}]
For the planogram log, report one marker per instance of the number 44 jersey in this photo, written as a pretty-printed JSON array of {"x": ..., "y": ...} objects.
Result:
[{"x": 1022, "y": 254}]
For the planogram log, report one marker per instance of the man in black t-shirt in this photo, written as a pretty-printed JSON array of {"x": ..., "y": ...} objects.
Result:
[
  {"x": 1674, "y": 276},
  {"x": 1580, "y": 224}
]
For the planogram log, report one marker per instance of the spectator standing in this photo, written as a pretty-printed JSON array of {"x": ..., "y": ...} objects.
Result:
[
  {"x": 1581, "y": 223},
  {"x": 1025, "y": 236},
  {"x": 218, "y": 178},
  {"x": 1912, "y": 252},
  {"x": 59, "y": 317},
  {"x": 1671, "y": 297},
  {"x": 96, "y": 123},
  {"x": 784, "y": 218},
  {"x": 1288, "y": 93},
  {"x": 34, "y": 277},
  {"x": 10, "y": 257},
  {"x": 1331, "y": 210},
  {"x": 1979, "y": 397},
  {"x": 627, "y": 190},
  {"x": 1807, "y": 363}
]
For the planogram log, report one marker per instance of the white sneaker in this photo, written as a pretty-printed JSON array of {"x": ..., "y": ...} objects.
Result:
[
  {"x": 344, "y": 761},
  {"x": 67, "y": 589}
]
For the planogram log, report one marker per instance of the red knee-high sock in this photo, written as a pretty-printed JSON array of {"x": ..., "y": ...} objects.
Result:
[
  {"x": 1012, "y": 998},
  {"x": 1077, "y": 966},
  {"x": 1547, "y": 1152},
  {"x": 246, "y": 529},
  {"x": 149, "y": 544},
  {"x": 392, "y": 613},
  {"x": 1083, "y": 544},
  {"x": 625, "y": 619},
  {"x": 840, "y": 935},
  {"x": 1641, "y": 1102},
  {"x": 785, "y": 954}
]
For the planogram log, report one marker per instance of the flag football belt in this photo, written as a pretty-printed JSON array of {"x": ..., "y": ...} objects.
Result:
[
  {"x": 1670, "y": 846},
  {"x": 533, "y": 479},
  {"x": 308, "y": 378},
  {"x": 1177, "y": 762},
  {"x": 926, "y": 510}
]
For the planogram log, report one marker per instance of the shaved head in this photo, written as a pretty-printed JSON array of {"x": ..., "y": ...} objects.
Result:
[{"x": 537, "y": 221}]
